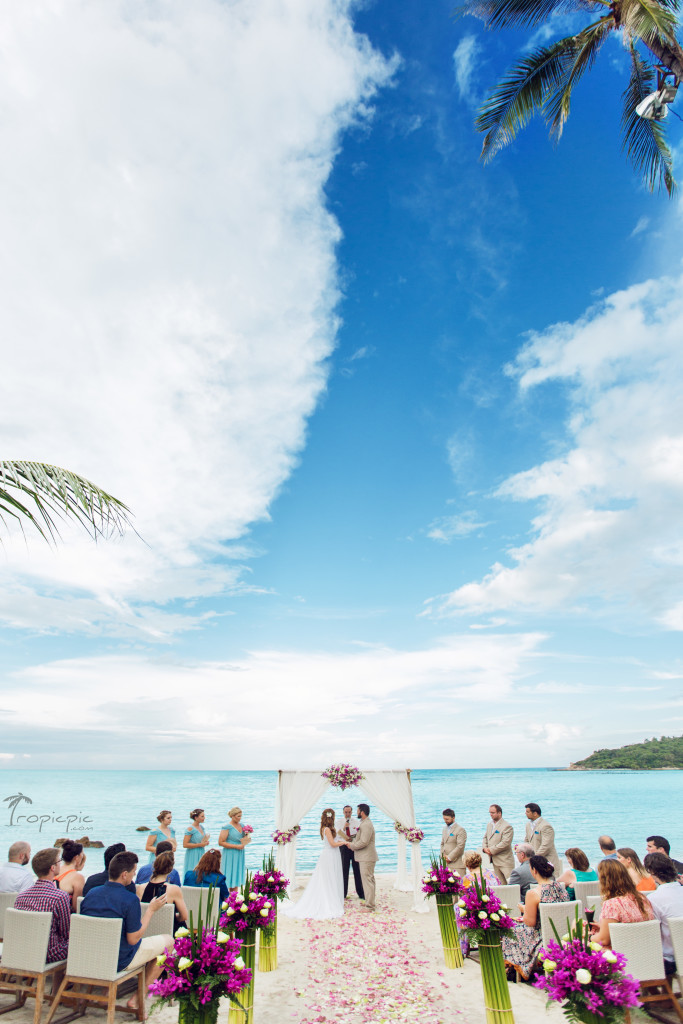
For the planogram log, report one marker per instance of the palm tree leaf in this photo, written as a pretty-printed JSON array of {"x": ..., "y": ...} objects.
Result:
[
  {"x": 644, "y": 140},
  {"x": 522, "y": 93},
  {"x": 56, "y": 493},
  {"x": 649, "y": 19},
  {"x": 515, "y": 13},
  {"x": 587, "y": 44}
]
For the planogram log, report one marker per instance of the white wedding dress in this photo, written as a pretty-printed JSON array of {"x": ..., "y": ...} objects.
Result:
[{"x": 323, "y": 897}]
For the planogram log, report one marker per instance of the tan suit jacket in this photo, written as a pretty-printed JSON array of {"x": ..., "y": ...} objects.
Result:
[
  {"x": 541, "y": 835},
  {"x": 498, "y": 838},
  {"x": 453, "y": 841},
  {"x": 363, "y": 845}
]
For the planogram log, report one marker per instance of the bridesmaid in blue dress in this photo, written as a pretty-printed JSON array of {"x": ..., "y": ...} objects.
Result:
[
  {"x": 159, "y": 834},
  {"x": 195, "y": 840},
  {"x": 232, "y": 842}
]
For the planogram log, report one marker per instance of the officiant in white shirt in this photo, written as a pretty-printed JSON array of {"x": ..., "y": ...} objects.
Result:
[{"x": 347, "y": 827}]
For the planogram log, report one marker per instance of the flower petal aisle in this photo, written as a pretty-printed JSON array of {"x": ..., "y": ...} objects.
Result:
[{"x": 370, "y": 969}]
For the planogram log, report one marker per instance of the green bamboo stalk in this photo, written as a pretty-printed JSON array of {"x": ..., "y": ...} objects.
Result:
[
  {"x": 449, "y": 931},
  {"x": 267, "y": 951},
  {"x": 494, "y": 981},
  {"x": 246, "y": 996}
]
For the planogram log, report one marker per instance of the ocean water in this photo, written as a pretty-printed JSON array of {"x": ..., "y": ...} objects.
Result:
[{"x": 109, "y": 805}]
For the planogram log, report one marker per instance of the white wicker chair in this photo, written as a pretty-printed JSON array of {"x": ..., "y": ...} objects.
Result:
[
  {"x": 6, "y": 901},
  {"x": 641, "y": 944},
  {"x": 676, "y": 929},
  {"x": 162, "y": 921},
  {"x": 584, "y": 890},
  {"x": 559, "y": 913},
  {"x": 92, "y": 964},
  {"x": 594, "y": 902},
  {"x": 192, "y": 894},
  {"x": 510, "y": 895},
  {"x": 24, "y": 969}
]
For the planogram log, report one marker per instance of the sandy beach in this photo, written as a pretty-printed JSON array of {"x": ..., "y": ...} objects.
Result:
[{"x": 377, "y": 968}]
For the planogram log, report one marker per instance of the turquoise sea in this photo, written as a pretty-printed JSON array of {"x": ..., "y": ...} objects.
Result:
[{"x": 109, "y": 805}]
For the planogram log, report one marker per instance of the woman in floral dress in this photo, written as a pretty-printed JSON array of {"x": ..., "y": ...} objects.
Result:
[
  {"x": 520, "y": 950},
  {"x": 621, "y": 901}
]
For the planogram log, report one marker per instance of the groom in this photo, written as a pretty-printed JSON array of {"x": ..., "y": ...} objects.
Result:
[
  {"x": 363, "y": 847},
  {"x": 348, "y": 829}
]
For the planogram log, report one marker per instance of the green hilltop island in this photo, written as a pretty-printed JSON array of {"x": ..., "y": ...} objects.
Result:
[{"x": 650, "y": 755}]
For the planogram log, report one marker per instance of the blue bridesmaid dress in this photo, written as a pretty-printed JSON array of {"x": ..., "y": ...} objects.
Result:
[
  {"x": 232, "y": 861},
  {"x": 159, "y": 837},
  {"x": 194, "y": 855}
]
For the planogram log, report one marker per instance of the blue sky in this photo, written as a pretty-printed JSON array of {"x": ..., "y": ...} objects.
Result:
[{"x": 401, "y": 432}]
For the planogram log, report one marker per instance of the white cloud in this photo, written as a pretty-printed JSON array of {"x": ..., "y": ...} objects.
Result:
[
  {"x": 448, "y": 528},
  {"x": 642, "y": 225},
  {"x": 608, "y": 526},
  {"x": 465, "y": 60},
  {"x": 168, "y": 276},
  {"x": 271, "y": 704}
]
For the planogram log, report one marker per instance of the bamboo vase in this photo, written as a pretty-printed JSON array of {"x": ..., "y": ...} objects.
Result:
[
  {"x": 494, "y": 980},
  {"x": 246, "y": 996},
  {"x": 449, "y": 931}
]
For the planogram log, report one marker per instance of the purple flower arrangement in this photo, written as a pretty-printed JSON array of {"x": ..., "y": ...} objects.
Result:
[
  {"x": 440, "y": 879},
  {"x": 247, "y": 909},
  {"x": 412, "y": 833},
  {"x": 271, "y": 883},
  {"x": 480, "y": 910},
  {"x": 201, "y": 970},
  {"x": 588, "y": 979},
  {"x": 343, "y": 776},
  {"x": 281, "y": 838}
]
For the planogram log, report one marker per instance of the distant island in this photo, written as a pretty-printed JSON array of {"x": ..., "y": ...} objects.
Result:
[{"x": 650, "y": 755}]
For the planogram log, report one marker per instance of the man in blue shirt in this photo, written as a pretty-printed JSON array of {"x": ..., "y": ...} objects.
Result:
[
  {"x": 608, "y": 848},
  {"x": 113, "y": 899},
  {"x": 147, "y": 870}
]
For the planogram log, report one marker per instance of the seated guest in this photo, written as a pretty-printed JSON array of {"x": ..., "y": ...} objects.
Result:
[
  {"x": 520, "y": 950},
  {"x": 114, "y": 900},
  {"x": 208, "y": 873},
  {"x": 44, "y": 895},
  {"x": 14, "y": 875},
  {"x": 633, "y": 864},
  {"x": 666, "y": 901},
  {"x": 579, "y": 870},
  {"x": 145, "y": 872},
  {"x": 608, "y": 848},
  {"x": 159, "y": 884},
  {"x": 522, "y": 875},
  {"x": 70, "y": 879},
  {"x": 473, "y": 870},
  {"x": 621, "y": 901},
  {"x": 100, "y": 877},
  {"x": 658, "y": 844}
]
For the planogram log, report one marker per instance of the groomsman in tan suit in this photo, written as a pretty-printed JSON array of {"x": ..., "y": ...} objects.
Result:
[
  {"x": 363, "y": 847},
  {"x": 498, "y": 843},
  {"x": 453, "y": 841},
  {"x": 541, "y": 834}
]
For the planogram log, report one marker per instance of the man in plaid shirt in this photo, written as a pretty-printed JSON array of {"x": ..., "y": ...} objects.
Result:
[{"x": 44, "y": 895}]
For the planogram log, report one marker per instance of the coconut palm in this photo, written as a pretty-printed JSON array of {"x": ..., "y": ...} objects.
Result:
[
  {"x": 542, "y": 80},
  {"x": 41, "y": 494},
  {"x": 14, "y": 801}
]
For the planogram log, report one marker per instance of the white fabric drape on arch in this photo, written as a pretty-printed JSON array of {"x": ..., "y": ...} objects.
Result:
[{"x": 391, "y": 791}]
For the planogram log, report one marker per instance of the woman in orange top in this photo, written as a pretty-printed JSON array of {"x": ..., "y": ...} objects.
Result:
[
  {"x": 633, "y": 864},
  {"x": 71, "y": 880}
]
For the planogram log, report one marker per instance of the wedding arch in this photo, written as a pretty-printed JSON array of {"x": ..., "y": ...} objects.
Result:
[{"x": 390, "y": 791}]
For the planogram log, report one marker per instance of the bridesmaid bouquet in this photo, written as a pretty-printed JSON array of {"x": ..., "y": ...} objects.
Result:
[
  {"x": 587, "y": 979},
  {"x": 247, "y": 830},
  {"x": 281, "y": 838},
  {"x": 343, "y": 776}
]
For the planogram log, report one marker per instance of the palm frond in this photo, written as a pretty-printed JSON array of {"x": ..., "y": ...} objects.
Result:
[
  {"x": 41, "y": 494},
  {"x": 522, "y": 93},
  {"x": 644, "y": 140},
  {"x": 587, "y": 44},
  {"x": 515, "y": 13},
  {"x": 648, "y": 20}
]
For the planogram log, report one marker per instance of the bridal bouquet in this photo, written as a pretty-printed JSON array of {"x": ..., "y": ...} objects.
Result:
[
  {"x": 444, "y": 884},
  {"x": 483, "y": 916},
  {"x": 343, "y": 776},
  {"x": 286, "y": 836},
  {"x": 412, "y": 833},
  {"x": 587, "y": 979},
  {"x": 271, "y": 883}
]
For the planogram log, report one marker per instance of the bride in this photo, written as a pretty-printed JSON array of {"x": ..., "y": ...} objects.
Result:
[{"x": 323, "y": 897}]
